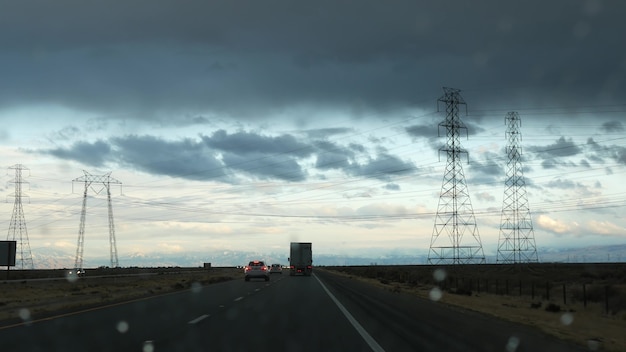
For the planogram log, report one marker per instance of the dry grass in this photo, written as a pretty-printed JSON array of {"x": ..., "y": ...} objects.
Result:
[
  {"x": 574, "y": 322},
  {"x": 21, "y": 300}
]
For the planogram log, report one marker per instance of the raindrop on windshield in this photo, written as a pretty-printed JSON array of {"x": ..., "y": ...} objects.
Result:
[
  {"x": 435, "y": 294},
  {"x": 196, "y": 287},
  {"x": 439, "y": 274},
  {"x": 512, "y": 344},
  {"x": 24, "y": 314},
  {"x": 148, "y": 346},
  {"x": 122, "y": 326},
  {"x": 567, "y": 319}
]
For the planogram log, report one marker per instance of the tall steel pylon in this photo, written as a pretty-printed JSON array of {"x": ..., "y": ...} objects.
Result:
[
  {"x": 516, "y": 243},
  {"x": 455, "y": 238},
  {"x": 17, "y": 226},
  {"x": 105, "y": 181}
]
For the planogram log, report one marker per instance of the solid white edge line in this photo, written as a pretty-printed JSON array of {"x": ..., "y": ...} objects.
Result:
[
  {"x": 364, "y": 334},
  {"x": 198, "y": 319}
]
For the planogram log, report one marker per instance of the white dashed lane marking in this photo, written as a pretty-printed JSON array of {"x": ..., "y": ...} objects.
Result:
[{"x": 198, "y": 319}]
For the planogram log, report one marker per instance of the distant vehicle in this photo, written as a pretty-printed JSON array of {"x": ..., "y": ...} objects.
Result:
[
  {"x": 300, "y": 259},
  {"x": 276, "y": 269},
  {"x": 256, "y": 269},
  {"x": 76, "y": 272}
]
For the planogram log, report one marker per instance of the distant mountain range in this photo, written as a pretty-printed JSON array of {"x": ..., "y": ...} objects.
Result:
[{"x": 50, "y": 259}]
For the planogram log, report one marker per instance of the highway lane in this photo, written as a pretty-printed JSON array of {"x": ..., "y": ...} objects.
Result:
[{"x": 284, "y": 314}]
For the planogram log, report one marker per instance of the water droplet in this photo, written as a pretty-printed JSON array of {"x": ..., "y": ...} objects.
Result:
[
  {"x": 71, "y": 276},
  {"x": 512, "y": 344},
  {"x": 148, "y": 346},
  {"x": 567, "y": 319},
  {"x": 24, "y": 314},
  {"x": 439, "y": 274},
  {"x": 196, "y": 287},
  {"x": 435, "y": 294},
  {"x": 122, "y": 326}
]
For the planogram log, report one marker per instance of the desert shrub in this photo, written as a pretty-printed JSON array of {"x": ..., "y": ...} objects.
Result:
[
  {"x": 551, "y": 307},
  {"x": 460, "y": 291}
]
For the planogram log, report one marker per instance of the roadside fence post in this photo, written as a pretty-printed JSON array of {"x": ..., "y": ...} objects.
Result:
[{"x": 606, "y": 299}]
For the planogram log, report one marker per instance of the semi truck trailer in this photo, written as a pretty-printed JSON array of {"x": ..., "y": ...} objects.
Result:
[{"x": 300, "y": 259}]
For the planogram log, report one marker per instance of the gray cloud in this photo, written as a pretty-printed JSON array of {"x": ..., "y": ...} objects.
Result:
[
  {"x": 383, "y": 167},
  {"x": 559, "y": 149},
  {"x": 612, "y": 126},
  {"x": 251, "y": 143},
  {"x": 185, "y": 158},
  {"x": 92, "y": 154},
  {"x": 250, "y": 59},
  {"x": 265, "y": 167},
  {"x": 332, "y": 156}
]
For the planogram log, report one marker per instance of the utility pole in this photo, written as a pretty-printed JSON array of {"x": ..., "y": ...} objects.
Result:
[
  {"x": 516, "y": 243},
  {"x": 455, "y": 238},
  {"x": 17, "y": 226},
  {"x": 105, "y": 182}
]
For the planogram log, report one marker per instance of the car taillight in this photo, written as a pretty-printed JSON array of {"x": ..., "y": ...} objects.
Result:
[
  {"x": 309, "y": 267},
  {"x": 264, "y": 268}
]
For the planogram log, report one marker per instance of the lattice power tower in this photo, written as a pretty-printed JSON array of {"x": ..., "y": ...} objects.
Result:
[
  {"x": 17, "y": 226},
  {"x": 105, "y": 181},
  {"x": 516, "y": 243},
  {"x": 455, "y": 238}
]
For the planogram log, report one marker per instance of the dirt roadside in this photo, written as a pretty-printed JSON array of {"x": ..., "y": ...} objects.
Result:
[{"x": 27, "y": 300}]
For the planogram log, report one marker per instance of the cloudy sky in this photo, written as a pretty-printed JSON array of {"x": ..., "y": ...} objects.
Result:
[{"x": 243, "y": 125}]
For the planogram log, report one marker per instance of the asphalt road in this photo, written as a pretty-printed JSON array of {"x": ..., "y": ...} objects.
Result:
[{"x": 324, "y": 312}]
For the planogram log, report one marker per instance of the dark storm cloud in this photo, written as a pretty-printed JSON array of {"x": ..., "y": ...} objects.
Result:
[
  {"x": 619, "y": 155},
  {"x": 612, "y": 126},
  {"x": 92, "y": 154},
  {"x": 332, "y": 156},
  {"x": 251, "y": 143},
  {"x": 383, "y": 167},
  {"x": 323, "y": 133},
  {"x": 598, "y": 153},
  {"x": 265, "y": 167},
  {"x": 561, "y": 148},
  {"x": 250, "y": 58},
  {"x": 185, "y": 158},
  {"x": 419, "y": 131},
  {"x": 486, "y": 169}
]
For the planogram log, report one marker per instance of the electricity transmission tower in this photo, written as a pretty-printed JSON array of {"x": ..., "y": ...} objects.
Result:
[
  {"x": 516, "y": 243},
  {"x": 455, "y": 238},
  {"x": 103, "y": 181},
  {"x": 17, "y": 226}
]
